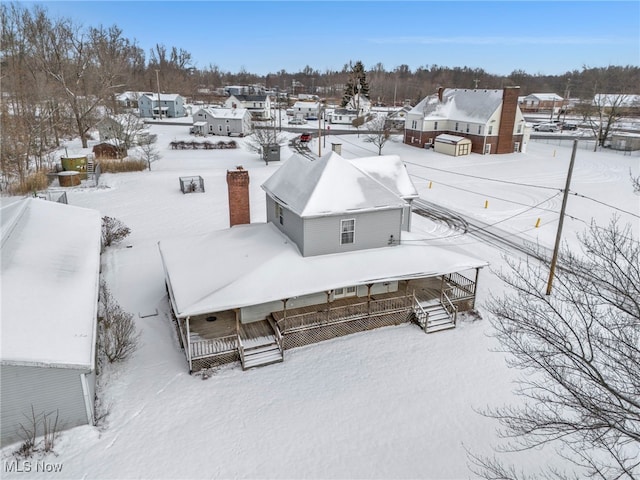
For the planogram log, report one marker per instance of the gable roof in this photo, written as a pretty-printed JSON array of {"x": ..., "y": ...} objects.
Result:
[
  {"x": 251, "y": 98},
  {"x": 50, "y": 268},
  {"x": 257, "y": 263},
  {"x": 464, "y": 105},
  {"x": 224, "y": 112},
  {"x": 545, "y": 97},
  {"x": 328, "y": 186},
  {"x": 164, "y": 97}
]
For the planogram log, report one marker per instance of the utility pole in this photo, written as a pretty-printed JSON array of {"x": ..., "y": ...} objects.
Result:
[
  {"x": 158, "y": 83},
  {"x": 554, "y": 259},
  {"x": 321, "y": 111}
]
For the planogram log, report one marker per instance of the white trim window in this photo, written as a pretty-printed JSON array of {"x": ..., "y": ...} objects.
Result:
[
  {"x": 344, "y": 292},
  {"x": 347, "y": 231},
  {"x": 279, "y": 213}
]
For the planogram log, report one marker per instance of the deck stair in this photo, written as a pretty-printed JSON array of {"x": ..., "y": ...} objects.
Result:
[
  {"x": 433, "y": 317},
  {"x": 261, "y": 350}
]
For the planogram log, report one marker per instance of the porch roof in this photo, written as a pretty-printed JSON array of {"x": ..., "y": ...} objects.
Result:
[{"x": 254, "y": 264}]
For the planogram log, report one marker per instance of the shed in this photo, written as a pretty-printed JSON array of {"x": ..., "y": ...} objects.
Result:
[
  {"x": 452, "y": 145},
  {"x": 50, "y": 273},
  {"x": 109, "y": 149},
  {"x": 625, "y": 141}
]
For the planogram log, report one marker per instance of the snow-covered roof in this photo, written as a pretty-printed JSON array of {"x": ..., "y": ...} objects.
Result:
[
  {"x": 327, "y": 186},
  {"x": 307, "y": 104},
  {"x": 616, "y": 99},
  {"x": 223, "y": 112},
  {"x": 256, "y": 263},
  {"x": 451, "y": 139},
  {"x": 50, "y": 269},
  {"x": 164, "y": 97},
  {"x": 251, "y": 98},
  {"x": 464, "y": 105},
  {"x": 390, "y": 171},
  {"x": 545, "y": 97}
]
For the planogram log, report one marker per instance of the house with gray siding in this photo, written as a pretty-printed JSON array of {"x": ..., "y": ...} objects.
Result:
[
  {"x": 335, "y": 256},
  {"x": 222, "y": 121},
  {"x": 51, "y": 253},
  {"x": 153, "y": 105}
]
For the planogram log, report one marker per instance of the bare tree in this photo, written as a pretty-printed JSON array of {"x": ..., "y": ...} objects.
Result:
[
  {"x": 379, "y": 132},
  {"x": 117, "y": 337},
  {"x": 260, "y": 140},
  {"x": 113, "y": 231},
  {"x": 580, "y": 351},
  {"x": 148, "y": 149}
]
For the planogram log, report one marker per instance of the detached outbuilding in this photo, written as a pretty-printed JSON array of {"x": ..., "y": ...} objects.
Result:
[
  {"x": 452, "y": 145},
  {"x": 50, "y": 273}
]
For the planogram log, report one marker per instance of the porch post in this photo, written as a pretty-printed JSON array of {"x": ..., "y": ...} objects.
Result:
[
  {"x": 284, "y": 317},
  {"x": 369, "y": 285},
  {"x": 189, "y": 346},
  {"x": 442, "y": 288},
  {"x": 328, "y": 292},
  {"x": 475, "y": 289}
]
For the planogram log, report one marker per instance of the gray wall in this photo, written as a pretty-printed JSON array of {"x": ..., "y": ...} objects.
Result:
[
  {"x": 48, "y": 390},
  {"x": 292, "y": 226},
  {"x": 373, "y": 230}
]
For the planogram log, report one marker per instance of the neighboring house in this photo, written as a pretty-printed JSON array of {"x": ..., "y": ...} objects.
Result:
[
  {"x": 129, "y": 99},
  {"x": 171, "y": 105},
  {"x": 343, "y": 116},
  {"x": 396, "y": 119},
  {"x": 624, "y": 103},
  {"x": 541, "y": 102},
  {"x": 50, "y": 269},
  {"x": 491, "y": 119},
  {"x": 125, "y": 127},
  {"x": 335, "y": 257},
  {"x": 360, "y": 104},
  {"x": 452, "y": 145},
  {"x": 222, "y": 121},
  {"x": 306, "y": 109},
  {"x": 259, "y": 105}
]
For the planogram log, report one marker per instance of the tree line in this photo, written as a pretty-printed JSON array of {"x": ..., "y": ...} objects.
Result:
[{"x": 59, "y": 78}]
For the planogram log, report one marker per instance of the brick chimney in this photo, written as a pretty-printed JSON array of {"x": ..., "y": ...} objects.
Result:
[
  {"x": 507, "y": 119},
  {"x": 440, "y": 92},
  {"x": 238, "y": 186}
]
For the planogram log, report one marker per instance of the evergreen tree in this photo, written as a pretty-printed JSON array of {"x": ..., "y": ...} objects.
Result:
[{"x": 357, "y": 81}]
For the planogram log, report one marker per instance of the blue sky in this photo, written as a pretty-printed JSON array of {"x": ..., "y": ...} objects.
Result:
[{"x": 543, "y": 37}]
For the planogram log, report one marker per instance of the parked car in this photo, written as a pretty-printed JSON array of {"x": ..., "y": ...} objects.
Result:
[
  {"x": 305, "y": 137},
  {"x": 312, "y": 117},
  {"x": 569, "y": 126},
  {"x": 297, "y": 121},
  {"x": 546, "y": 127}
]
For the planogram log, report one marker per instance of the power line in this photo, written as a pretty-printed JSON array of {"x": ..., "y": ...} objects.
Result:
[
  {"x": 483, "y": 178},
  {"x": 605, "y": 204}
]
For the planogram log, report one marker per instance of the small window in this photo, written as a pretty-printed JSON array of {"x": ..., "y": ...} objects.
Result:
[
  {"x": 344, "y": 292},
  {"x": 228, "y": 128},
  {"x": 456, "y": 126},
  {"x": 347, "y": 231},
  {"x": 479, "y": 129},
  {"x": 435, "y": 125},
  {"x": 414, "y": 124},
  {"x": 279, "y": 214},
  {"x": 467, "y": 128},
  {"x": 490, "y": 130},
  {"x": 219, "y": 128}
]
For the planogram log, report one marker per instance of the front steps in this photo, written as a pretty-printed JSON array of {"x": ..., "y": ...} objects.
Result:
[
  {"x": 433, "y": 317},
  {"x": 261, "y": 355}
]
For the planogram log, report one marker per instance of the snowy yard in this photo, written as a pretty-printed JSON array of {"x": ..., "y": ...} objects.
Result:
[{"x": 390, "y": 403}]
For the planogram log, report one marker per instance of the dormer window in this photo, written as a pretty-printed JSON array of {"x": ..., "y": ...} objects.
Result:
[{"x": 347, "y": 231}]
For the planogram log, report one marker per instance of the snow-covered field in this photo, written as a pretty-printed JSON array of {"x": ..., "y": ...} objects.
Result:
[{"x": 390, "y": 403}]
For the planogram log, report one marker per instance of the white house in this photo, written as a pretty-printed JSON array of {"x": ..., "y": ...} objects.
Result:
[
  {"x": 541, "y": 102},
  {"x": 360, "y": 104},
  {"x": 50, "y": 269},
  {"x": 343, "y": 116},
  {"x": 222, "y": 121},
  {"x": 171, "y": 105},
  {"x": 335, "y": 257},
  {"x": 259, "y": 105},
  {"x": 304, "y": 109}
]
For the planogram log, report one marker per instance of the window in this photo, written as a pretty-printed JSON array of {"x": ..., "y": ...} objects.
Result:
[
  {"x": 219, "y": 128},
  {"x": 228, "y": 128},
  {"x": 344, "y": 292},
  {"x": 435, "y": 125},
  {"x": 479, "y": 129},
  {"x": 456, "y": 126},
  {"x": 347, "y": 231},
  {"x": 520, "y": 128},
  {"x": 490, "y": 130},
  {"x": 467, "y": 128},
  {"x": 414, "y": 124},
  {"x": 279, "y": 213},
  {"x": 464, "y": 149}
]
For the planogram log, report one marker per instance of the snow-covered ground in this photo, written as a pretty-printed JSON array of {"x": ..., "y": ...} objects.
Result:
[{"x": 390, "y": 403}]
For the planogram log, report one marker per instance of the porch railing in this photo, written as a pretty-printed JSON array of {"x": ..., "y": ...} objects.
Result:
[
  {"x": 214, "y": 346},
  {"x": 327, "y": 314},
  {"x": 460, "y": 287},
  {"x": 448, "y": 305}
]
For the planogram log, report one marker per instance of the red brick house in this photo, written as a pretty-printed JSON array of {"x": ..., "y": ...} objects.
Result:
[{"x": 491, "y": 119}]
